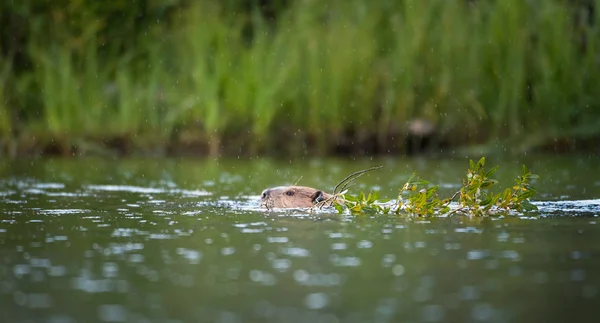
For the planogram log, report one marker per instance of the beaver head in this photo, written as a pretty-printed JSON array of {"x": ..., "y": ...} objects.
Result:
[{"x": 292, "y": 197}]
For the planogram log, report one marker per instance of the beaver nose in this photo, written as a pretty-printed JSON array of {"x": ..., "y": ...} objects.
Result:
[{"x": 266, "y": 193}]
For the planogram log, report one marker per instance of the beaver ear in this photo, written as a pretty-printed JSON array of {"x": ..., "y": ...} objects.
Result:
[{"x": 317, "y": 197}]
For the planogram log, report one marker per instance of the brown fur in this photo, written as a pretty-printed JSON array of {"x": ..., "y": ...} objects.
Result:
[{"x": 293, "y": 197}]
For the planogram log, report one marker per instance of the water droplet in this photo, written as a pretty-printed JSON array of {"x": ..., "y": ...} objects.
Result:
[
  {"x": 296, "y": 252},
  {"x": 338, "y": 246},
  {"x": 281, "y": 265},
  {"x": 316, "y": 300},
  {"x": 227, "y": 251},
  {"x": 388, "y": 260},
  {"x": 277, "y": 239},
  {"x": 398, "y": 270},
  {"x": 477, "y": 254},
  {"x": 364, "y": 244},
  {"x": 301, "y": 276},
  {"x": 510, "y": 254},
  {"x": 110, "y": 269},
  {"x": 112, "y": 313}
]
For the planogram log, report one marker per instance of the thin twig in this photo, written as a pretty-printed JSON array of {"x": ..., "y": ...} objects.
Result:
[
  {"x": 345, "y": 183},
  {"x": 453, "y": 196}
]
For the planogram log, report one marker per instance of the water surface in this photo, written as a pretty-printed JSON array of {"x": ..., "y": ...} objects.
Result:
[{"x": 152, "y": 240}]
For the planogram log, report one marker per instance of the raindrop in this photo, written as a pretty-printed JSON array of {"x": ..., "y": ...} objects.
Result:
[
  {"x": 277, "y": 239},
  {"x": 510, "y": 254},
  {"x": 388, "y": 260},
  {"x": 56, "y": 271},
  {"x": 111, "y": 313},
  {"x": 296, "y": 252},
  {"x": 281, "y": 264},
  {"x": 301, "y": 276},
  {"x": 110, "y": 269},
  {"x": 477, "y": 254},
  {"x": 20, "y": 270},
  {"x": 262, "y": 277},
  {"x": 364, "y": 244},
  {"x": 316, "y": 301},
  {"x": 338, "y": 246},
  {"x": 227, "y": 251},
  {"x": 398, "y": 270}
]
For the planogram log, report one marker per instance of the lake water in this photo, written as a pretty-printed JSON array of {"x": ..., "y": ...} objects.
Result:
[{"x": 183, "y": 240}]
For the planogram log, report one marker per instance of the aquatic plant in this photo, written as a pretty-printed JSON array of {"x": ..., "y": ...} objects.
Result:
[{"x": 418, "y": 197}]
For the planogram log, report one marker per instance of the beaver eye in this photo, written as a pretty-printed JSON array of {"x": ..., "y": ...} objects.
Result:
[{"x": 289, "y": 193}]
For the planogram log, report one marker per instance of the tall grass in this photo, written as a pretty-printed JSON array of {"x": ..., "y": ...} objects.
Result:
[
  {"x": 339, "y": 55},
  {"x": 208, "y": 48},
  {"x": 140, "y": 106},
  {"x": 483, "y": 71},
  {"x": 6, "y": 122},
  {"x": 564, "y": 74},
  {"x": 84, "y": 98}
]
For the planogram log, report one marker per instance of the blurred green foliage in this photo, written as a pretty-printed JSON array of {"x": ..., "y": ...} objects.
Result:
[{"x": 287, "y": 77}]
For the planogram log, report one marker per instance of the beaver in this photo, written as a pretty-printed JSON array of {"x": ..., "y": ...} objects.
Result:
[
  {"x": 294, "y": 197},
  {"x": 306, "y": 197}
]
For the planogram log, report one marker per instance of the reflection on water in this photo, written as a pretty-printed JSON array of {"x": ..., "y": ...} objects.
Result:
[{"x": 83, "y": 249}]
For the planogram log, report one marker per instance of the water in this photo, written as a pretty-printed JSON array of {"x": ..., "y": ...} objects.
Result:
[{"x": 149, "y": 240}]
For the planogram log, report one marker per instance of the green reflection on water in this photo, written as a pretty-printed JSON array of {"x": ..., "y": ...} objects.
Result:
[{"x": 156, "y": 240}]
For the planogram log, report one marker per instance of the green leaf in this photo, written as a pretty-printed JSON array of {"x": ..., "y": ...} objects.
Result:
[
  {"x": 481, "y": 162},
  {"x": 492, "y": 171},
  {"x": 356, "y": 208},
  {"x": 527, "y": 206},
  {"x": 487, "y": 201},
  {"x": 488, "y": 183},
  {"x": 420, "y": 182},
  {"x": 339, "y": 208},
  {"x": 419, "y": 198},
  {"x": 373, "y": 197},
  {"x": 350, "y": 198},
  {"x": 526, "y": 194}
]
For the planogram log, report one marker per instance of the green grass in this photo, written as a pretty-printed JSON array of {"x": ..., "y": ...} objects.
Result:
[
  {"x": 487, "y": 72},
  {"x": 6, "y": 123}
]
